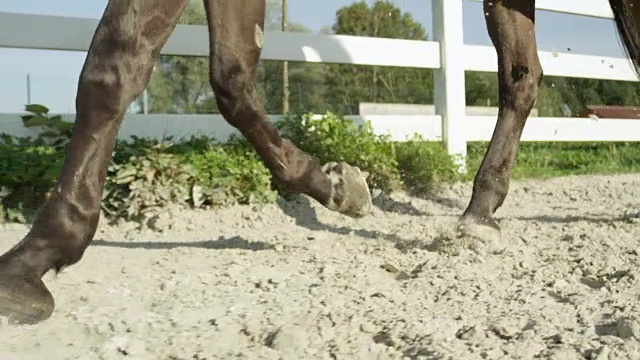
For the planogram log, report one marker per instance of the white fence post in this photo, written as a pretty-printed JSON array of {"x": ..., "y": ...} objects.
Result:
[{"x": 449, "y": 79}]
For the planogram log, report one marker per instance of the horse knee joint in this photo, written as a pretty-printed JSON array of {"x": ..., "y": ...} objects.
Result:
[{"x": 104, "y": 89}]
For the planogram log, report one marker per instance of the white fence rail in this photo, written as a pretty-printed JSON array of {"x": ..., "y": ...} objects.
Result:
[{"x": 447, "y": 54}]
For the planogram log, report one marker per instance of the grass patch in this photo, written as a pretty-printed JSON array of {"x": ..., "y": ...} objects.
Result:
[{"x": 552, "y": 159}]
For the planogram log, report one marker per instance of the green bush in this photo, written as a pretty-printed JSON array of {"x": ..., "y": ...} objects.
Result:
[
  {"x": 143, "y": 175},
  {"x": 424, "y": 166},
  {"x": 29, "y": 166},
  {"x": 201, "y": 172},
  {"x": 198, "y": 172},
  {"x": 27, "y": 174},
  {"x": 229, "y": 175},
  {"x": 55, "y": 131},
  {"x": 334, "y": 138},
  {"x": 150, "y": 180}
]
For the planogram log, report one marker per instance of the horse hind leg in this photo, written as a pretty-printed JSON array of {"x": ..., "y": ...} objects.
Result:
[
  {"x": 118, "y": 65},
  {"x": 235, "y": 29},
  {"x": 512, "y": 31}
]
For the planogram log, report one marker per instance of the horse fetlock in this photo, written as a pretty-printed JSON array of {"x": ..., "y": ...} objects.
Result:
[
  {"x": 483, "y": 234},
  {"x": 350, "y": 193}
]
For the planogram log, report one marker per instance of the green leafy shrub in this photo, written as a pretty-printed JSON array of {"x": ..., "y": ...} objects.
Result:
[
  {"x": 424, "y": 165},
  {"x": 151, "y": 180},
  {"x": 231, "y": 174},
  {"x": 56, "y": 132},
  {"x": 27, "y": 175},
  {"x": 198, "y": 172},
  {"x": 144, "y": 174},
  {"x": 29, "y": 166},
  {"x": 334, "y": 138}
]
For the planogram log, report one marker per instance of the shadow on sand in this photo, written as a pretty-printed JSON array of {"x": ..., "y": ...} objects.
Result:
[
  {"x": 595, "y": 219},
  {"x": 305, "y": 216},
  {"x": 222, "y": 243}
]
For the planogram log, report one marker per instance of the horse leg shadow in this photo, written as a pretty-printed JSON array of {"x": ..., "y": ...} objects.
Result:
[{"x": 301, "y": 210}]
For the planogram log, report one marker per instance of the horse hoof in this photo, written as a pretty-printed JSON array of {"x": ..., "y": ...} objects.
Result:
[
  {"x": 24, "y": 301},
  {"x": 484, "y": 235},
  {"x": 350, "y": 193}
]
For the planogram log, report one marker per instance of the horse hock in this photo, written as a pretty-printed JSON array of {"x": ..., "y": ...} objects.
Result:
[{"x": 350, "y": 193}]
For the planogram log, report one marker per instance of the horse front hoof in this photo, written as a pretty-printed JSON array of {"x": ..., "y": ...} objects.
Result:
[
  {"x": 484, "y": 236},
  {"x": 350, "y": 193},
  {"x": 23, "y": 300}
]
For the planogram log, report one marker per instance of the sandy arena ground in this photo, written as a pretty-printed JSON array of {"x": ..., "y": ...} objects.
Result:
[{"x": 295, "y": 281}]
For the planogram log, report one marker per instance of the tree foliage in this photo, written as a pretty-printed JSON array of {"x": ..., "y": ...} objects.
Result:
[
  {"x": 351, "y": 84},
  {"x": 180, "y": 84},
  {"x": 306, "y": 83}
]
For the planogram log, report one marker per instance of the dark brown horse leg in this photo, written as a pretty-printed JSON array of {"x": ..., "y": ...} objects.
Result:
[
  {"x": 236, "y": 31},
  {"x": 626, "y": 16},
  {"x": 512, "y": 31},
  {"x": 124, "y": 49}
]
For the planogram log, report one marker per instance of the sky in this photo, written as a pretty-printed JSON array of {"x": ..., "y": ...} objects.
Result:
[{"x": 54, "y": 74}]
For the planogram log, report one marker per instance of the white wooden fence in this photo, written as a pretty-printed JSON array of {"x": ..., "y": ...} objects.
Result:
[{"x": 447, "y": 54}]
